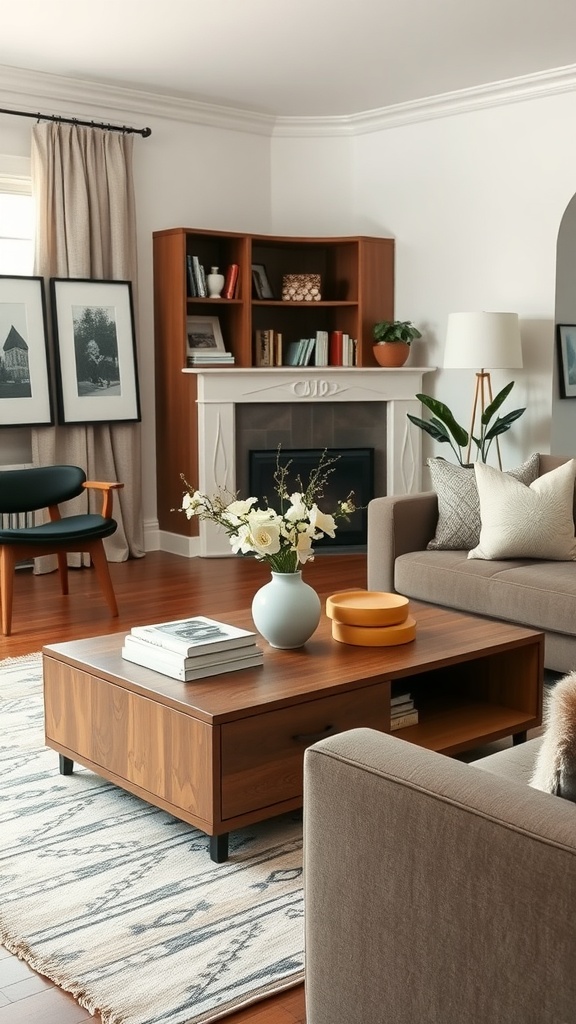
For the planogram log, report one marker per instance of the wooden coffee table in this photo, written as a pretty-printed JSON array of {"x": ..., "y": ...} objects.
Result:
[{"x": 223, "y": 752}]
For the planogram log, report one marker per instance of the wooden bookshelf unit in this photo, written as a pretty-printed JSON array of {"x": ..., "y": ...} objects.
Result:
[{"x": 357, "y": 288}]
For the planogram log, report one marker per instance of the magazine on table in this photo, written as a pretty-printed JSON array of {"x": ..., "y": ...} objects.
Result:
[{"x": 198, "y": 635}]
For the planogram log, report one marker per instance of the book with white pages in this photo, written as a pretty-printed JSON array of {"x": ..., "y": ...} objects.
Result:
[
  {"x": 158, "y": 663},
  {"x": 198, "y": 635},
  {"x": 173, "y": 660}
]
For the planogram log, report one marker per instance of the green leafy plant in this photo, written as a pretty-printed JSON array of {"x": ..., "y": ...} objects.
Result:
[
  {"x": 445, "y": 429},
  {"x": 395, "y": 330}
]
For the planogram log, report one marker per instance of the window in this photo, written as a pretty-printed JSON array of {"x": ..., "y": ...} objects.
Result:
[{"x": 16, "y": 223}]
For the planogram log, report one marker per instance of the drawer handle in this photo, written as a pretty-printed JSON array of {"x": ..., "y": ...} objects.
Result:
[{"x": 312, "y": 737}]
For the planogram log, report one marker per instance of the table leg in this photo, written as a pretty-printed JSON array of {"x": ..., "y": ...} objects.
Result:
[
  {"x": 519, "y": 737},
  {"x": 219, "y": 848},
  {"x": 66, "y": 764}
]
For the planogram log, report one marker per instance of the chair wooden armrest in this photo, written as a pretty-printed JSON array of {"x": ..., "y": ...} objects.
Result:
[{"x": 107, "y": 496}]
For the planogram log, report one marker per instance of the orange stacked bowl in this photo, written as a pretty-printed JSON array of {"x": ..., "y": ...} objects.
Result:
[{"x": 370, "y": 618}]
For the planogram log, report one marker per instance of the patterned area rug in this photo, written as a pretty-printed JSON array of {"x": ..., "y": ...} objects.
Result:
[{"x": 119, "y": 903}]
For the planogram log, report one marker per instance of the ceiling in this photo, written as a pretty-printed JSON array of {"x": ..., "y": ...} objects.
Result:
[{"x": 306, "y": 58}]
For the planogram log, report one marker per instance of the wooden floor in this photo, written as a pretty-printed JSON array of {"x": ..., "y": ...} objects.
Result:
[{"x": 155, "y": 588}]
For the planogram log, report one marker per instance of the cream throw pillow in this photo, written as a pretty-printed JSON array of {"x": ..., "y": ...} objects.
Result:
[{"x": 520, "y": 521}]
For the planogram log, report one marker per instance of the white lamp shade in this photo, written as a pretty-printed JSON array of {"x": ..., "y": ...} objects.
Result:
[{"x": 488, "y": 341}]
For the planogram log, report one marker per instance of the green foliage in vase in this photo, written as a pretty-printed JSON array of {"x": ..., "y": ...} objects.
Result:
[{"x": 445, "y": 429}]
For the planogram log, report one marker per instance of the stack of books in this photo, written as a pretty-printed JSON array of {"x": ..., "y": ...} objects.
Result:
[
  {"x": 402, "y": 711},
  {"x": 190, "y": 649},
  {"x": 209, "y": 357}
]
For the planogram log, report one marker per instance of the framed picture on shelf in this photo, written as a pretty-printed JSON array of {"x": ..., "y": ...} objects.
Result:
[
  {"x": 25, "y": 396},
  {"x": 260, "y": 281},
  {"x": 204, "y": 332},
  {"x": 97, "y": 370},
  {"x": 566, "y": 341}
]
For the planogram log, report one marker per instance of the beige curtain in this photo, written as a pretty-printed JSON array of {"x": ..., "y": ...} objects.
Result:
[{"x": 86, "y": 228}]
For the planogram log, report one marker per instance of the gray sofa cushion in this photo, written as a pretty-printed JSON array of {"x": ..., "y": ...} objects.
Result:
[{"x": 538, "y": 594}]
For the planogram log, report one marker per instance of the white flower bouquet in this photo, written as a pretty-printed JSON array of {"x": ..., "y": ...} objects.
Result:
[{"x": 282, "y": 539}]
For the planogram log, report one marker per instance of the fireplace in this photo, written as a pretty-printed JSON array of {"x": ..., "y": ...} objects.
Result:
[
  {"x": 353, "y": 470},
  {"x": 222, "y": 394}
]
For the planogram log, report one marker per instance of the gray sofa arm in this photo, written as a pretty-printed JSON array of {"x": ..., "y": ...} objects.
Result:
[
  {"x": 397, "y": 524},
  {"x": 435, "y": 893}
]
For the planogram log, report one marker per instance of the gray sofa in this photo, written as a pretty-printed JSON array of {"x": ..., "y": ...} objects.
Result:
[
  {"x": 435, "y": 892},
  {"x": 537, "y": 594}
]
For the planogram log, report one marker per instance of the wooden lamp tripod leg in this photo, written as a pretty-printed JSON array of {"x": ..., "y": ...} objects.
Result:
[{"x": 483, "y": 391}]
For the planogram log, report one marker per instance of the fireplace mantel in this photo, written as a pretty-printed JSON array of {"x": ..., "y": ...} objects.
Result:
[{"x": 220, "y": 390}]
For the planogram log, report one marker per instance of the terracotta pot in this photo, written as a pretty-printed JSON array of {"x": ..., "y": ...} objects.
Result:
[{"x": 391, "y": 353}]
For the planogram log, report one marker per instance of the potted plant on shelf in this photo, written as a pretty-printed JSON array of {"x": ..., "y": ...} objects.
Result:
[{"x": 392, "y": 341}]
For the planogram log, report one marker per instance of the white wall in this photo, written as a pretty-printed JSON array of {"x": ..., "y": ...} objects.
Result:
[{"x": 475, "y": 202}]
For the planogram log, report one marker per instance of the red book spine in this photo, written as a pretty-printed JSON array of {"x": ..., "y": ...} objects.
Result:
[
  {"x": 335, "y": 348},
  {"x": 230, "y": 281}
]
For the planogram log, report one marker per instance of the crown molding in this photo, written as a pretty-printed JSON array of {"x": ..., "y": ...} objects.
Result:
[
  {"x": 32, "y": 91},
  {"x": 66, "y": 95}
]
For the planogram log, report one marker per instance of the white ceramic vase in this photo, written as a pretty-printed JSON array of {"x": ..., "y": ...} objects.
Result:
[
  {"x": 215, "y": 282},
  {"x": 286, "y": 611}
]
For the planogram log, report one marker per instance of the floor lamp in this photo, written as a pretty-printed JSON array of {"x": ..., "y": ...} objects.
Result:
[{"x": 489, "y": 340}]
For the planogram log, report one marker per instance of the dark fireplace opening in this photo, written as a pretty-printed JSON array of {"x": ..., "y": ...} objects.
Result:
[{"x": 353, "y": 471}]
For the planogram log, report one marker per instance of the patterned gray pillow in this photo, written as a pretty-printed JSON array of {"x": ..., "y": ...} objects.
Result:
[{"x": 458, "y": 525}]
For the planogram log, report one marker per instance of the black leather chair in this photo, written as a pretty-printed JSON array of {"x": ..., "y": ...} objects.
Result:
[{"x": 45, "y": 487}]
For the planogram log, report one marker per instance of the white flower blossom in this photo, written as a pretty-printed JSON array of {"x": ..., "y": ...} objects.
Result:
[{"x": 320, "y": 521}]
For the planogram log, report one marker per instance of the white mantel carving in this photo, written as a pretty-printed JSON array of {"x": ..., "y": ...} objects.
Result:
[{"x": 220, "y": 390}]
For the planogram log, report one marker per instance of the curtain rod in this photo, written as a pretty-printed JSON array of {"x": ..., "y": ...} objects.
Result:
[{"x": 144, "y": 132}]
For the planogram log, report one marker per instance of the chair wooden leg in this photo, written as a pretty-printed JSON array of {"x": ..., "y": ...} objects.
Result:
[
  {"x": 7, "y": 562},
  {"x": 63, "y": 571},
  {"x": 100, "y": 562}
]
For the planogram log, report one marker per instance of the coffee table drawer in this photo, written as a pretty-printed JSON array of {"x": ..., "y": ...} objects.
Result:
[{"x": 262, "y": 756}]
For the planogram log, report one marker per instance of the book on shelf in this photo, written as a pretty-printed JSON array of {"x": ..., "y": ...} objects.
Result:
[
  {"x": 402, "y": 721},
  {"x": 187, "y": 669},
  {"x": 198, "y": 635},
  {"x": 400, "y": 698},
  {"x": 204, "y": 358},
  {"x": 292, "y": 351},
  {"x": 191, "y": 289},
  {"x": 230, "y": 281},
  {"x": 335, "y": 347},
  {"x": 321, "y": 349},
  {"x": 263, "y": 347},
  {"x": 278, "y": 348},
  {"x": 199, "y": 278},
  {"x": 306, "y": 351},
  {"x": 401, "y": 709}
]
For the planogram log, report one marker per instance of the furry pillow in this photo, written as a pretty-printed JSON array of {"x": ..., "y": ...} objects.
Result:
[
  {"x": 555, "y": 770},
  {"x": 458, "y": 525},
  {"x": 526, "y": 522}
]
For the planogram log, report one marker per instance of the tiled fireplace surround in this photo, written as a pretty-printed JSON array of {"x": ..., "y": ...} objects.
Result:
[{"x": 332, "y": 407}]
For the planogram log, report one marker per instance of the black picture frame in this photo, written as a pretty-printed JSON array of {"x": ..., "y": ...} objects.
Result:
[
  {"x": 95, "y": 349},
  {"x": 260, "y": 281},
  {"x": 25, "y": 392},
  {"x": 566, "y": 345}
]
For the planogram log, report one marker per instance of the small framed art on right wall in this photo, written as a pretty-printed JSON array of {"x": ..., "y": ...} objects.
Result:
[{"x": 566, "y": 341}]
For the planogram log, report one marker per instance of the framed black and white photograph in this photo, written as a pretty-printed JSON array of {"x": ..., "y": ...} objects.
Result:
[
  {"x": 25, "y": 396},
  {"x": 97, "y": 370},
  {"x": 204, "y": 332},
  {"x": 566, "y": 339},
  {"x": 261, "y": 282}
]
